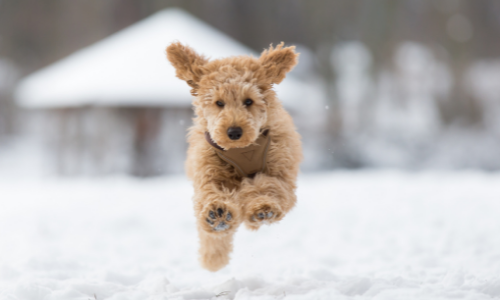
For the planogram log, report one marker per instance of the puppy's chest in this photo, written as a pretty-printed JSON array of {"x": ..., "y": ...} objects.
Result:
[{"x": 247, "y": 161}]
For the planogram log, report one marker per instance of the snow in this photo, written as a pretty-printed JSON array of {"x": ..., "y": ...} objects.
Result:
[
  {"x": 130, "y": 68},
  {"x": 353, "y": 235}
]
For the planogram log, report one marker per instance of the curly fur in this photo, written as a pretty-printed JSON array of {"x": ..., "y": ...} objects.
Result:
[{"x": 223, "y": 200}]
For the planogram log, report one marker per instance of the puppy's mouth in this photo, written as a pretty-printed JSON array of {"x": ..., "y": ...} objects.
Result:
[
  {"x": 229, "y": 144},
  {"x": 210, "y": 140}
]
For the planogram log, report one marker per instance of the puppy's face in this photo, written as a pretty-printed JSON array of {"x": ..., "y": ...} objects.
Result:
[
  {"x": 231, "y": 93},
  {"x": 234, "y": 111}
]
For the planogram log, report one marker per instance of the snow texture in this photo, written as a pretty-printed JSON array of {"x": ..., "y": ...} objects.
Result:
[
  {"x": 364, "y": 235},
  {"x": 130, "y": 67}
]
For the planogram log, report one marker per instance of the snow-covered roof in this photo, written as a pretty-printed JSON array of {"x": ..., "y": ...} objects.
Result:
[{"x": 130, "y": 68}]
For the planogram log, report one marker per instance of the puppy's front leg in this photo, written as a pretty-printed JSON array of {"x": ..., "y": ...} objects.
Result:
[
  {"x": 266, "y": 199},
  {"x": 217, "y": 220}
]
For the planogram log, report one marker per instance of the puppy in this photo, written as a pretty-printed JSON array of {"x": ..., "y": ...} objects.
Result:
[{"x": 244, "y": 151}]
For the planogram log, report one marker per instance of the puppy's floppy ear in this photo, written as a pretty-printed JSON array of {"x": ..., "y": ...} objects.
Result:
[
  {"x": 276, "y": 62},
  {"x": 187, "y": 63}
]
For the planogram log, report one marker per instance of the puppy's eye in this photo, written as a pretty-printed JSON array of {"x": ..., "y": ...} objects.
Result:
[
  {"x": 220, "y": 103},
  {"x": 248, "y": 102}
]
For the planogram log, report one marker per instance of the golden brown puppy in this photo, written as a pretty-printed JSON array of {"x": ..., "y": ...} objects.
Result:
[{"x": 235, "y": 105}]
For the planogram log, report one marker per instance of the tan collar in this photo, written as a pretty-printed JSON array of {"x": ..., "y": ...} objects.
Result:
[{"x": 247, "y": 161}]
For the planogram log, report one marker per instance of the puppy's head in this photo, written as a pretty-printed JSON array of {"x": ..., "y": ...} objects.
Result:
[{"x": 233, "y": 95}]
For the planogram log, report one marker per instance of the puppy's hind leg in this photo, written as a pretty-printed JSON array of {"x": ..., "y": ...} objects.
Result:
[
  {"x": 215, "y": 249},
  {"x": 217, "y": 222}
]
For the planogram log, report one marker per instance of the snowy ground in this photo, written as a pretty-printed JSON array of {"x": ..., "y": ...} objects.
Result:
[{"x": 366, "y": 235}]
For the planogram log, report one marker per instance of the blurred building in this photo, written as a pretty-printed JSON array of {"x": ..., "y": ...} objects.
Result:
[
  {"x": 390, "y": 84},
  {"x": 8, "y": 76},
  {"x": 116, "y": 106}
]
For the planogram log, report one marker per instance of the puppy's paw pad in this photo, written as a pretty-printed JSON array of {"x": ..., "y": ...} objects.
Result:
[
  {"x": 218, "y": 217},
  {"x": 265, "y": 213}
]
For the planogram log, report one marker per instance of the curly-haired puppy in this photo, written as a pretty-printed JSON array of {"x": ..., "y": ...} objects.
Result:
[{"x": 244, "y": 151}]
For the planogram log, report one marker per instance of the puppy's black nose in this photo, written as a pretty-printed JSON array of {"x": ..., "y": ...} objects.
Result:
[{"x": 234, "y": 133}]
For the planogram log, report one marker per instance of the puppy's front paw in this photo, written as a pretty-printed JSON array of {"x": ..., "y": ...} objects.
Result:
[
  {"x": 218, "y": 217},
  {"x": 262, "y": 211}
]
